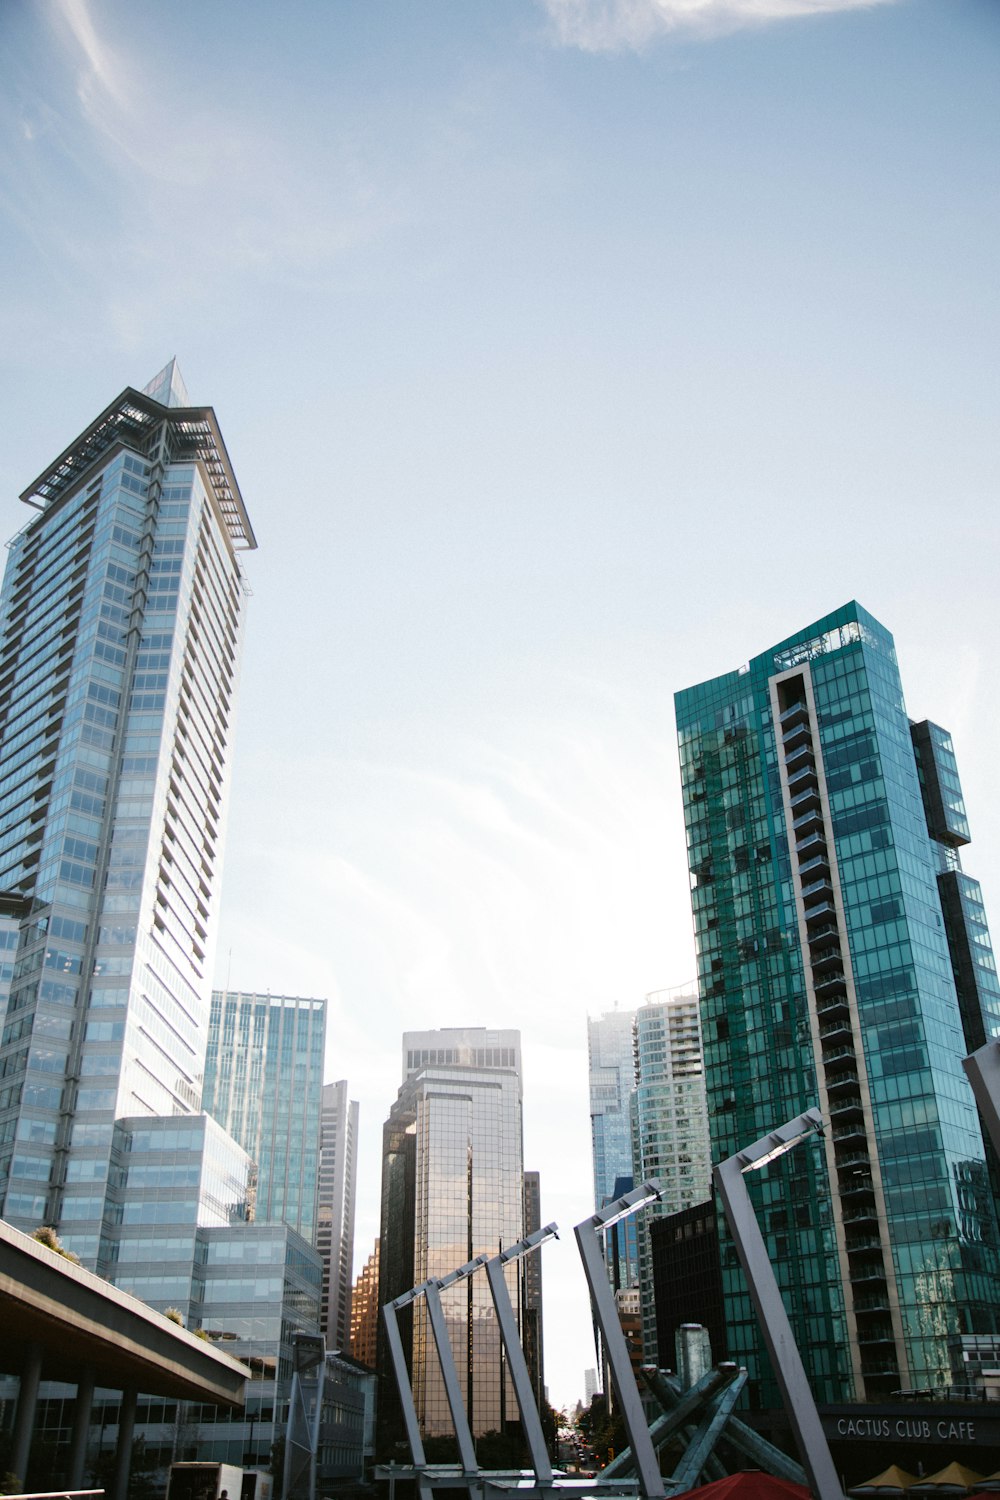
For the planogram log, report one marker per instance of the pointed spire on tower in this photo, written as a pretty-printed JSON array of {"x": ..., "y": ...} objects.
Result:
[{"x": 168, "y": 386}]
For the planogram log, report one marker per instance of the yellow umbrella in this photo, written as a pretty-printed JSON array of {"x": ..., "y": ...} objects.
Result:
[
  {"x": 955, "y": 1479},
  {"x": 892, "y": 1481}
]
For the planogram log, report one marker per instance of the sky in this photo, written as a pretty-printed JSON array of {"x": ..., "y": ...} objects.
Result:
[{"x": 568, "y": 353}]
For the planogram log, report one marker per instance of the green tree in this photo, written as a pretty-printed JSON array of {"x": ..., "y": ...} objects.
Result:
[
  {"x": 502, "y": 1450},
  {"x": 605, "y": 1434}
]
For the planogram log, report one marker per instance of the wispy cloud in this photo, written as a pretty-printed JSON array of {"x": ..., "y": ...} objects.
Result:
[
  {"x": 173, "y": 198},
  {"x": 101, "y": 73},
  {"x": 622, "y": 25}
]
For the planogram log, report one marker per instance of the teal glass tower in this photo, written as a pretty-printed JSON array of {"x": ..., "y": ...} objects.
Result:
[
  {"x": 264, "y": 1085},
  {"x": 120, "y": 622},
  {"x": 823, "y": 833}
]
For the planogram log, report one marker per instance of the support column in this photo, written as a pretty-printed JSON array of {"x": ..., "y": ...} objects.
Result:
[
  {"x": 123, "y": 1458},
  {"x": 81, "y": 1429},
  {"x": 589, "y": 1241},
  {"x": 765, "y": 1294},
  {"x": 24, "y": 1422}
]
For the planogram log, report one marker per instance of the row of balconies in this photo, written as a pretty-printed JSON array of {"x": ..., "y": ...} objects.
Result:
[{"x": 856, "y": 1187}]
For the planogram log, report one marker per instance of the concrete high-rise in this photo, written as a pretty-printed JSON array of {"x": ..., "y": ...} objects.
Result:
[
  {"x": 823, "y": 835},
  {"x": 452, "y": 1188},
  {"x": 264, "y": 1084},
  {"x": 120, "y": 621},
  {"x": 338, "y": 1176}
]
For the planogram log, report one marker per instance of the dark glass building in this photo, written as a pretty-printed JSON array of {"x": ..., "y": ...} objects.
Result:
[
  {"x": 687, "y": 1286},
  {"x": 832, "y": 919}
]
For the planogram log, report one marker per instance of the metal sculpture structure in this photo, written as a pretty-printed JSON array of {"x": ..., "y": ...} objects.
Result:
[
  {"x": 982, "y": 1068},
  {"x": 467, "y": 1474},
  {"x": 431, "y": 1292},
  {"x": 701, "y": 1417},
  {"x": 766, "y": 1297},
  {"x": 590, "y": 1241},
  {"x": 305, "y": 1409}
]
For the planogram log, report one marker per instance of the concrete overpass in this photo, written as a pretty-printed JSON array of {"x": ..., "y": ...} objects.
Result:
[{"x": 63, "y": 1323}]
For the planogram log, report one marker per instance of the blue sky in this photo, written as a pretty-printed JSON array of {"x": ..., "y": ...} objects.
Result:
[{"x": 568, "y": 353}]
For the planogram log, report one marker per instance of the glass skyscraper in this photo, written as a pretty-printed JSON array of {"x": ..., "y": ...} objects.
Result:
[
  {"x": 670, "y": 1141},
  {"x": 452, "y": 1188},
  {"x": 120, "y": 622},
  {"x": 823, "y": 836},
  {"x": 611, "y": 1072},
  {"x": 264, "y": 1084}
]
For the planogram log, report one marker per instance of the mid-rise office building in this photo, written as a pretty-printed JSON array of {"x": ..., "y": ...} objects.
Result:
[
  {"x": 186, "y": 1194},
  {"x": 670, "y": 1138},
  {"x": 364, "y": 1312},
  {"x": 338, "y": 1171},
  {"x": 264, "y": 1084},
  {"x": 452, "y": 1188},
  {"x": 120, "y": 620},
  {"x": 823, "y": 840}
]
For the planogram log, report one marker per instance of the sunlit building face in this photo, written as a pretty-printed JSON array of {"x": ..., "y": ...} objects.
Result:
[{"x": 462, "y": 1111}]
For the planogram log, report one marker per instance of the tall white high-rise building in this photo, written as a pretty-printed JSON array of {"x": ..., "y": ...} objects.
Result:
[
  {"x": 338, "y": 1178},
  {"x": 120, "y": 622}
]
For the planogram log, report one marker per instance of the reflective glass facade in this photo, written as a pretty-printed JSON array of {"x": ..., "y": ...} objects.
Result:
[
  {"x": 972, "y": 958},
  {"x": 453, "y": 1187},
  {"x": 120, "y": 620},
  {"x": 670, "y": 1138},
  {"x": 264, "y": 1084},
  {"x": 611, "y": 1069},
  {"x": 262, "y": 1285},
  {"x": 611, "y": 1073},
  {"x": 364, "y": 1312},
  {"x": 253, "y": 1287},
  {"x": 826, "y": 978},
  {"x": 178, "y": 1234},
  {"x": 172, "y": 1178}
]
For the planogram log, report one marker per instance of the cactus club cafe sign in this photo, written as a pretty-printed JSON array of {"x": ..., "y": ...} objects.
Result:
[{"x": 966, "y": 1426}]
